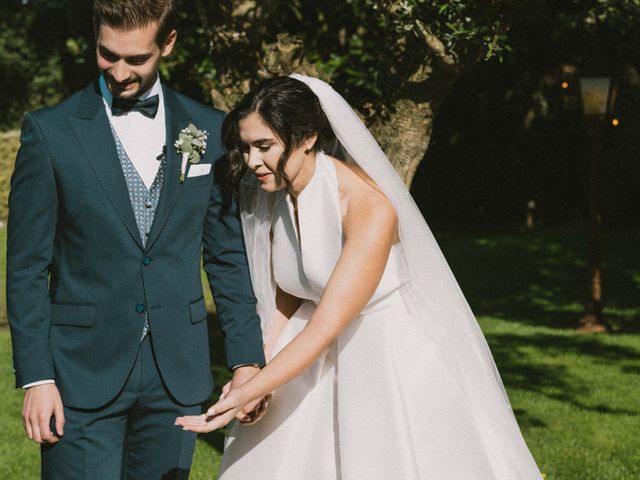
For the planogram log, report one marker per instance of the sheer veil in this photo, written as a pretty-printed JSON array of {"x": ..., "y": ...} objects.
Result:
[{"x": 431, "y": 291}]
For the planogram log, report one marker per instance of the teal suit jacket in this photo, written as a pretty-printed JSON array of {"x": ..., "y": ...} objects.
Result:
[{"x": 79, "y": 281}]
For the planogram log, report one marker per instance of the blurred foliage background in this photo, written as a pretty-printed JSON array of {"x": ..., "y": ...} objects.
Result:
[{"x": 464, "y": 96}]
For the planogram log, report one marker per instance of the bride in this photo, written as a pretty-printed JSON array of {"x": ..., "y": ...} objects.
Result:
[{"x": 377, "y": 366}]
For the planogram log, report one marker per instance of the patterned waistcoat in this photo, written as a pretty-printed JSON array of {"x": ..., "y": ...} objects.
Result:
[{"x": 144, "y": 201}]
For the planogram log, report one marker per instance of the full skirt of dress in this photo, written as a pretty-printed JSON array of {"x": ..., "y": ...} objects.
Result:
[{"x": 378, "y": 405}]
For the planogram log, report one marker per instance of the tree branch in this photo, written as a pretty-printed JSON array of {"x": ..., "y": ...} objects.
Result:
[{"x": 435, "y": 45}]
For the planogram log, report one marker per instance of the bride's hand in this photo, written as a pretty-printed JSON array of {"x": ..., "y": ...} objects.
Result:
[
  {"x": 257, "y": 409},
  {"x": 225, "y": 391},
  {"x": 242, "y": 375},
  {"x": 217, "y": 416}
]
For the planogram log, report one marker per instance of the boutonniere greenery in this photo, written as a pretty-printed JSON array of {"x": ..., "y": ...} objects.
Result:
[{"x": 191, "y": 144}]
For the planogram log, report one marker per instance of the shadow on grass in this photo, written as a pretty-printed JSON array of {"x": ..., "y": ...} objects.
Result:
[
  {"x": 539, "y": 278},
  {"x": 526, "y": 420},
  {"x": 520, "y": 370}
]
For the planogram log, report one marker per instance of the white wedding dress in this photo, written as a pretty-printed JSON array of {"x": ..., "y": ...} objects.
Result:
[{"x": 380, "y": 403}]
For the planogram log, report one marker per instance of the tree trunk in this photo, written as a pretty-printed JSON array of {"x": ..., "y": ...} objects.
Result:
[
  {"x": 405, "y": 136},
  {"x": 405, "y": 132}
]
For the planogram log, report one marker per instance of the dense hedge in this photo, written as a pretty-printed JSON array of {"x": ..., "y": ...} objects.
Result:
[{"x": 9, "y": 143}]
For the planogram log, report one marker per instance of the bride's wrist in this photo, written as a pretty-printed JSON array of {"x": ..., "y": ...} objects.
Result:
[
  {"x": 250, "y": 392},
  {"x": 243, "y": 395}
]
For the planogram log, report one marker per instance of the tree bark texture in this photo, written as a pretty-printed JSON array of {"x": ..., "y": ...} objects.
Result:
[{"x": 404, "y": 133}]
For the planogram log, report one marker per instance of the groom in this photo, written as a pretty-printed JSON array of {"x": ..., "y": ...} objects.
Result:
[{"x": 107, "y": 228}]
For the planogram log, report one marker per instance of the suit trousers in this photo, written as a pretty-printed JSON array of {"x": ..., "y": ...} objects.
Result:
[{"x": 131, "y": 438}]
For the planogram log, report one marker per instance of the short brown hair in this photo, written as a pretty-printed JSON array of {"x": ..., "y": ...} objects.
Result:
[{"x": 132, "y": 14}]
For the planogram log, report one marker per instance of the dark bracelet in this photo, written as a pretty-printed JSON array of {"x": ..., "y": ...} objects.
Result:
[{"x": 256, "y": 365}]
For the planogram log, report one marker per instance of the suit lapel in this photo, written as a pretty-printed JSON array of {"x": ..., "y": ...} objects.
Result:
[
  {"x": 91, "y": 126},
  {"x": 177, "y": 118}
]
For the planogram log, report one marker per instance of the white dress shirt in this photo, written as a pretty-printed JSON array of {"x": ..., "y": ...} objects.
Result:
[{"x": 143, "y": 139}]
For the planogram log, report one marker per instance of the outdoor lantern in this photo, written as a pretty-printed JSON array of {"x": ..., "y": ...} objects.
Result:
[{"x": 597, "y": 95}]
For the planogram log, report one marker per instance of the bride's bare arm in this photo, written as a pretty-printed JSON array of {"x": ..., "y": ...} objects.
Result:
[
  {"x": 286, "y": 306},
  {"x": 370, "y": 226}
]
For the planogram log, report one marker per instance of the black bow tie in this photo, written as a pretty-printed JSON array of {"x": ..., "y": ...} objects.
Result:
[{"x": 148, "y": 107}]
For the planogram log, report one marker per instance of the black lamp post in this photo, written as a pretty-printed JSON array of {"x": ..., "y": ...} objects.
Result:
[{"x": 597, "y": 98}]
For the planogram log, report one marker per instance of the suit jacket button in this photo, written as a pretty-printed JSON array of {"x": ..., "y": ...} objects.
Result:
[
  {"x": 146, "y": 261},
  {"x": 140, "y": 308}
]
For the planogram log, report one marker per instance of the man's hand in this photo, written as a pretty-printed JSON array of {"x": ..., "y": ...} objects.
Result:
[
  {"x": 40, "y": 403},
  {"x": 254, "y": 410}
]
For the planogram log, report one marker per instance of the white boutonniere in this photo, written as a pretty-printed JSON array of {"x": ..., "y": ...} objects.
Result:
[{"x": 191, "y": 144}]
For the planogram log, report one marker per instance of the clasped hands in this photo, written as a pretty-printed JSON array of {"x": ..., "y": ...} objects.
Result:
[{"x": 233, "y": 403}]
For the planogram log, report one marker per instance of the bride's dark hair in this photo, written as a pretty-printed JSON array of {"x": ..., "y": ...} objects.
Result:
[{"x": 290, "y": 109}]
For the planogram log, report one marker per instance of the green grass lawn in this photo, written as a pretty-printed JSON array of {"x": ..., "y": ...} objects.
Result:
[{"x": 577, "y": 397}]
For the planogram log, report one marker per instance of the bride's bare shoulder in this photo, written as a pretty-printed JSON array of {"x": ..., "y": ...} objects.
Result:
[
  {"x": 360, "y": 196},
  {"x": 353, "y": 180},
  {"x": 352, "y": 177}
]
